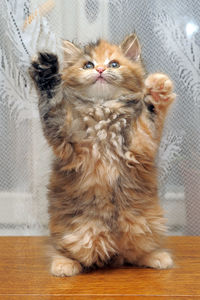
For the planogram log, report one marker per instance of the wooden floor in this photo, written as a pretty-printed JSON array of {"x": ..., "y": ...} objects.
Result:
[{"x": 24, "y": 275}]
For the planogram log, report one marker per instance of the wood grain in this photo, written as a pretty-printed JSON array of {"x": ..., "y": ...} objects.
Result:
[{"x": 24, "y": 275}]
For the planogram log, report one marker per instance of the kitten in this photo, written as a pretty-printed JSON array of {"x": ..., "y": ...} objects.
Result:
[{"x": 104, "y": 121}]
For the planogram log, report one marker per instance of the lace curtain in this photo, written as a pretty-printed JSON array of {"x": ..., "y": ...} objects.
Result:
[{"x": 170, "y": 38}]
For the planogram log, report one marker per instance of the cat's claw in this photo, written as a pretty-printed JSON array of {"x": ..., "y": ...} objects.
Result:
[{"x": 160, "y": 87}]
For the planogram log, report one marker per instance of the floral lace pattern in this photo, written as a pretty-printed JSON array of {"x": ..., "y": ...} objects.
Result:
[{"x": 170, "y": 39}]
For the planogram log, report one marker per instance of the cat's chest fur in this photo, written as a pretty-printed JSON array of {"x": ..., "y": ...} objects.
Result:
[
  {"x": 105, "y": 138},
  {"x": 107, "y": 130}
]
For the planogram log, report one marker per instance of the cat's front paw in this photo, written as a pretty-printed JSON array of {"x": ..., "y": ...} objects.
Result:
[
  {"x": 45, "y": 72},
  {"x": 160, "y": 87}
]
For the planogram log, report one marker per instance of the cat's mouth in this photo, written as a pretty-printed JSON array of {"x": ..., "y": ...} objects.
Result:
[{"x": 100, "y": 79}]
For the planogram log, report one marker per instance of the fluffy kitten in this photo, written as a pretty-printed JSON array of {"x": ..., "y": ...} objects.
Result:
[{"x": 103, "y": 121}]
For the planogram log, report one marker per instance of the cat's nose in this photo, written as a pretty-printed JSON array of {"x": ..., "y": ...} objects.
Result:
[{"x": 100, "y": 70}]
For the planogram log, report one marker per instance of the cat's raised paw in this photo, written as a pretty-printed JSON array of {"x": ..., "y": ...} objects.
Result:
[
  {"x": 45, "y": 73},
  {"x": 160, "y": 87},
  {"x": 158, "y": 259},
  {"x": 63, "y": 266}
]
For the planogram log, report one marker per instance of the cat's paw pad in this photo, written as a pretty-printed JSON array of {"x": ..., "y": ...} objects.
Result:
[
  {"x": 62, "y": 266},
  {"x": 44, "y": 71},
  {"x": 160, "y": 87},
  {"x": 159, "y": 259}
]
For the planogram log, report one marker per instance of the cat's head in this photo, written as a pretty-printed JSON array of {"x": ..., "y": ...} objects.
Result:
[{"x": 103, "y": 70}]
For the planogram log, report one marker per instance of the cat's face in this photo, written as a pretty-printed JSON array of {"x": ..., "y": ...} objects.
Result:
[{"x": 103, "y": 70}]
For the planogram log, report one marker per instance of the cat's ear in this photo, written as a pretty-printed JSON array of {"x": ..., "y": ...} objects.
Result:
[
  {"x": 131, "y": 47},
  {"x": 70, "y": 50}
]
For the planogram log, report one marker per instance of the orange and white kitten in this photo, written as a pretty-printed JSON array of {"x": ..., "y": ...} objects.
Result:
[{"x": 104, "y": 121}]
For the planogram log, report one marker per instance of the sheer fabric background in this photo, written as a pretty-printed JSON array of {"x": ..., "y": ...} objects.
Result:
[{"x": 170, "y": 38}]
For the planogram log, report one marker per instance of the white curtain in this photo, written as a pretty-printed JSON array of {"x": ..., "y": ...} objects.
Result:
[{"x": 169, "y": 33}]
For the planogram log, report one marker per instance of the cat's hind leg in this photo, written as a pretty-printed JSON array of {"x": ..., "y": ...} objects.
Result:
[
  {"x": 143, "y": 239},
  {"x": 157, "y": 259}
]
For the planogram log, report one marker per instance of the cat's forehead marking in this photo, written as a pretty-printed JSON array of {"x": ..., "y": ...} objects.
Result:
[{"x": 104, "y": 52}]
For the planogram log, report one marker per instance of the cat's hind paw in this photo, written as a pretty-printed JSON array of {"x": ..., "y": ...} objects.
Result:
[
  {"x": 160, "y": 87},
  {"x": 44, "y": 71},
  {"x": 63, "y": 266},
  {"x": 158, "y": 259}
]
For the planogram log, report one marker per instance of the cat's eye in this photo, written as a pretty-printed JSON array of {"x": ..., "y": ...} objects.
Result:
[
  {"x": 114, "y": 64},
  {"x": 88, "y": 65}
]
